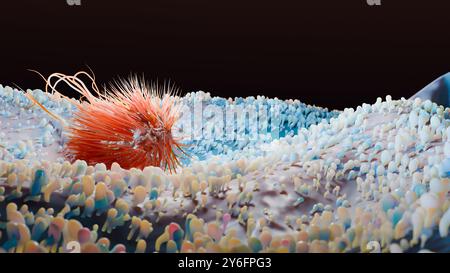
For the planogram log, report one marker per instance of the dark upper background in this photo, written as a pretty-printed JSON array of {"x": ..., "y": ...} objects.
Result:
[{"x": 329, "y": 53}]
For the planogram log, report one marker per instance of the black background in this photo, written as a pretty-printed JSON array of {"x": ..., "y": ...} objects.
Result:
[
  {"x": 329, "y": 53},
  {"x": 288, "y": 262}
]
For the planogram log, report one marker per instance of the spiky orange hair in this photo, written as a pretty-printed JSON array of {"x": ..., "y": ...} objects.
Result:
[{"x": 129, "y": 124}]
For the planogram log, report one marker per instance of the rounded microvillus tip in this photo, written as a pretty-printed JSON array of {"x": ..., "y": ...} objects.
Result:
[
  {"x": 141, "y": 246},
  {"x": 84, "y": 235},
  {"x": 139, "y": 194}
]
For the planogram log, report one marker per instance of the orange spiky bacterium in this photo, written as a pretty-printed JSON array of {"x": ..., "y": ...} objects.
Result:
[{"x": 130, "y": 123}]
